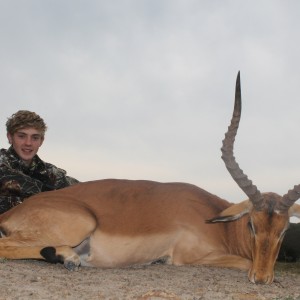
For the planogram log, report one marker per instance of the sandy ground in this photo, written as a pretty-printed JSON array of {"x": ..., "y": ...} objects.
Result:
[{"x": 40, "y": 280}]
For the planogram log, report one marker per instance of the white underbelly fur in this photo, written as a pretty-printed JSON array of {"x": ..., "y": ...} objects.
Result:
[{"x": 109, "y": 251}]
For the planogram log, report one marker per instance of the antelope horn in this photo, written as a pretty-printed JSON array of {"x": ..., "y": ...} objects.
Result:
[
  {"x": 290, "y": 198},
  {"x": 227, "y": 152}
]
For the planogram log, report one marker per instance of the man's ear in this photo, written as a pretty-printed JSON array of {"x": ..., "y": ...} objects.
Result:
[
  {"x": 42, "y": 140},
  {"x": 9, "y": 137},
  {"x": 233, "y": 212}
]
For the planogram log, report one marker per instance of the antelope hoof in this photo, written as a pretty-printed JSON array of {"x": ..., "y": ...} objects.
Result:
[
  {"x": 72, "y": 262},
  {"x": 71, "y": 265}
]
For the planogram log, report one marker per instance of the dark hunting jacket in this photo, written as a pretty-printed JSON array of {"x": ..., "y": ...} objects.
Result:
[{"x": 18, "y": 181}]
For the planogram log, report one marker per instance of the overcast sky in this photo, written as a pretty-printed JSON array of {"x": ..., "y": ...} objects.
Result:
[{"x": 142, "y": 89}]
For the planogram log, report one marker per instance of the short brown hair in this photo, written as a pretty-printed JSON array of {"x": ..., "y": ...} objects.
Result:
[{"x": 24, "y": 119}]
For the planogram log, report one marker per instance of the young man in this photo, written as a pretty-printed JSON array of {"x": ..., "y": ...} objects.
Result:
[{"x": 22, "y": 172}]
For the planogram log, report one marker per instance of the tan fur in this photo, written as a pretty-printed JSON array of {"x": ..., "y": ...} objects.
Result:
[{"x": 123, "y": 223}]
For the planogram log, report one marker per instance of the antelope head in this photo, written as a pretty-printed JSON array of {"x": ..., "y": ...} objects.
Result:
[{"x": 268, "y": 213}]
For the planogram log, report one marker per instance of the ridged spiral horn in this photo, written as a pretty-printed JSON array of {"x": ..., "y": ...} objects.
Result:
[
  {"x": 232, "y": 166},
  {"x": 290, "y": 198}
]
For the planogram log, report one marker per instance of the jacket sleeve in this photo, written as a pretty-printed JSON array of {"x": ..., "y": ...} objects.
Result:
[
  {"x": 59, "y": 177},
  {"x": 15, "y": 187},
  {"x": 15, "y": 183},
  {"x": 7, "y": 202}
]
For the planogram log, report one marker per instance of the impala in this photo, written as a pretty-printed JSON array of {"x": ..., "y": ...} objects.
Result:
[{"x": 117, "y": 223}]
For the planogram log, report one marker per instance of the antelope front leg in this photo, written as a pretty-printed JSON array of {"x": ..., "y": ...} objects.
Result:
[{"x": 226, "y": 261}]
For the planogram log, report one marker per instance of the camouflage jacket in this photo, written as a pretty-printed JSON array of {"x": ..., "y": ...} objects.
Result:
[{"x": 18, "y": 181}]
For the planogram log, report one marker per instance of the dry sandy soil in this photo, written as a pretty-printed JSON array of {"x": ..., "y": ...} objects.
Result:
[{"x": 40, "y": 280}]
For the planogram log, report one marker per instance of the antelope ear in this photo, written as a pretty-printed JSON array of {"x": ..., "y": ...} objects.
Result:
[
  {"x": 294, "y": 210},
  {"x": 233, "y": 212}
]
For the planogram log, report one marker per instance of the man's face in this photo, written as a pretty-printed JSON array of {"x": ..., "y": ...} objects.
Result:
[{"x": 26, "y": 142}]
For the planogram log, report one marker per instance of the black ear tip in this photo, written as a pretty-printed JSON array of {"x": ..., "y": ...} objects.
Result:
[
  {"x": 210, "y": 221},
  {"x": 222, "y": 219}
]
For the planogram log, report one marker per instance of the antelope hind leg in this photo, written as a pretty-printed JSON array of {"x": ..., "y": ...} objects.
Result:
[
  {"x": 62, "y": 254},
  {"x": 11, "y": 248},
  {"x": 72, "y": 258}
]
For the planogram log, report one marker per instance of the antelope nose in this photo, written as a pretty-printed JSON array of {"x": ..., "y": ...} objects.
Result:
[{"x": 264, "y": 279}]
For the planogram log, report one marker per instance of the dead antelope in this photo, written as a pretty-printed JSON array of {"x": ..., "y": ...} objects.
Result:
[{"x": 117, "y": 223}]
